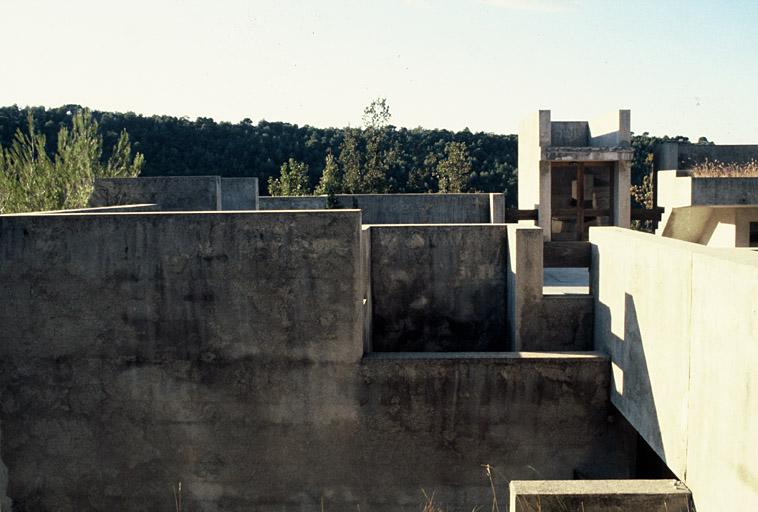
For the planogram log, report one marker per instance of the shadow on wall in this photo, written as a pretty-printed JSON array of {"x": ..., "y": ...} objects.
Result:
[{"x": 630, "y": 381}]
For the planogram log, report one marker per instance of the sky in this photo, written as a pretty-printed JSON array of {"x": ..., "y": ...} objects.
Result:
[{"x": 682, "y": 67}]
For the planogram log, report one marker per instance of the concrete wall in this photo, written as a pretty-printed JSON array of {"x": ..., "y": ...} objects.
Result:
[
  {"x": 679, "y": 323},
  {"x": 538, "y": 322},
  {"x": 600, "y": 496},
  {"x": 5, "y": 502},
  {"x": 569, "y": 133},
  {"x": 674, "y": 155},
  {"x": 675, "y": 191},
  {"x": 469, "y": 208},
  {"x": 709, "y": 211},
  {"x": 171, "y": 193},
  {"x": 438, "y": 287},
  {"x": 224, "y": 350},
  {"x": 239, "y": 193}
]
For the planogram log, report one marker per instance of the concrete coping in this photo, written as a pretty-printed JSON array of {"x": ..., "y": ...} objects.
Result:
[
  {"x": 123, "y": 208},
  {"x": 438, "y": 225},
  {"x": 89, "y": 211},
  {"x": 483, "y": 356},
  {"x": 597, "y": 487}
]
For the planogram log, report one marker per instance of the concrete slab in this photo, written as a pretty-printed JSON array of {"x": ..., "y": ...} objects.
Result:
[{"x": 599, "y": 496}]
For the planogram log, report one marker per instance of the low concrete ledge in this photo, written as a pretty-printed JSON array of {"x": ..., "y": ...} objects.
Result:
[
  {"x": 485, "y": 356},
  {"x": 147, "y": 207},
  {"x": 600, "y": 496}
]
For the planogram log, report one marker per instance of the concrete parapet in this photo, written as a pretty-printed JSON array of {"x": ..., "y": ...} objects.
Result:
[
  {"x": 599, "y": 496},
  {"x": 679, "y": 322},
  {"x": 171, "y": 193},
  {"x": 468, "y": 208}
]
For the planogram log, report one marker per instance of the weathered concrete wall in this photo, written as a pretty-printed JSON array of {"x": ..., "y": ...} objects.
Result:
[
  {"x": 5, "y": 503},
  {"x": 292, "y": 202},
  {"x": 538, "y": 322},
  {"x": 569, "y": 133},
  {"x": 600, "y": 496},
  {"x": 171, "y": 193},
  {"x": 224, "y": 350},
  {"x": 470, "y": 208},
  {"x": 679, "y": 323},
  {"x": 438, "y": 287},
  {"x": 239, "y": 193}
]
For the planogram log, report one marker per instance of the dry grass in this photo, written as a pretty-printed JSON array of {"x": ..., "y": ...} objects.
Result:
[{"x": 716, "y": 169}]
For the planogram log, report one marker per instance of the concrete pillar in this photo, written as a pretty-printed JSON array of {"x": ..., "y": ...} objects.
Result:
[
  {"x": 366, "y": 288},
  {"x": 545, "y": 210},
  {"x": 525, "y": 281},
  {"x": 545, "y": 128},
  {"x": 497, "y": 208},
  {"x": 621, "y": 198},
  {"x": 666, "y": 157}
]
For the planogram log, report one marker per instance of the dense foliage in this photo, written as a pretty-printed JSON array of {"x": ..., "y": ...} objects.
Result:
[
  {"x": 377, "y": 157},
  {"x": 34, "y": 177},
  {"x": 179, "y": 146}
]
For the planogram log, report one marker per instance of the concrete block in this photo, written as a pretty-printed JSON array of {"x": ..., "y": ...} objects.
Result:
[
  {"x": 497, "y": 208},
  {"x": 599, "y": 496},
  {"x": 239, "y": 193},
  {"x": 171, "y": 193}
]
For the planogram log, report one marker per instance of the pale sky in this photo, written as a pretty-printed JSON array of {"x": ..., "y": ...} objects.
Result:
[{"x": 682, "y": 67}]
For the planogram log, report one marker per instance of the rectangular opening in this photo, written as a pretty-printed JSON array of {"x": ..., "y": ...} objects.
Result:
[
  {"x": 753, "y": 239},
  {"x": 581, "y": 196}
]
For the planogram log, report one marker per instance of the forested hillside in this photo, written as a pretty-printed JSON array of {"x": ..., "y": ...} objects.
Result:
[{"x": 179, "y": 146}]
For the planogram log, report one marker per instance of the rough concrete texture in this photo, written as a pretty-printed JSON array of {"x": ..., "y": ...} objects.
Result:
[
  {"x": 171, "y": 193},
  {"x": 223, "y": 350},
  {"x": 569, "y": 133},
  {"x": 524, "y": 280},
  {"x": 600, "y": 496},
  {"x": 679, "y": 322},
  {"x": 469, "y": 208},
  {"x": 438, "y": 287},
  {"x": 239, "y": 193},
  {"x": 567, "y": 323},
  {"x": 538, "y": 322},
  {"x": 5, "y": 502}
]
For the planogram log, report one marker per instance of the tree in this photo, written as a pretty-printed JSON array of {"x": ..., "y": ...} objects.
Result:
[
  {"x": 380, "y": 153},
  {"x": 292, "y": 180},
  {"x": 32, "y": 180},
  {"x": 350, "y": 161},
  {"x": 329, "y": 184},
  {"x": 453, "y": 171}
]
